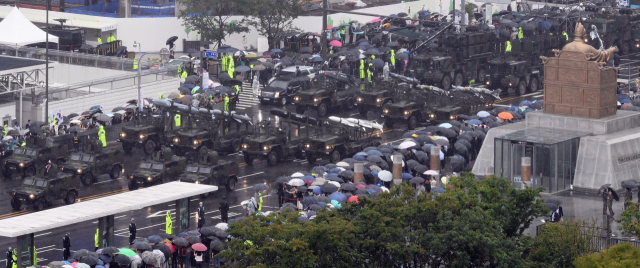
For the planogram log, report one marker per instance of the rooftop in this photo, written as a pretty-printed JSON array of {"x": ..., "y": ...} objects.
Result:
[{"x": 543, "y": 135}]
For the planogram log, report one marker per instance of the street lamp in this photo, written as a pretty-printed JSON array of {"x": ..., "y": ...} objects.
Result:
[
  {"x": 140, "y": 100},
  {"x": 46, "y": 58}
]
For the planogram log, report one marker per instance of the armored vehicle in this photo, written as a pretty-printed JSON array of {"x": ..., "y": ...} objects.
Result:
[
  {"x": 337, "y": 142},
  {"x": 94, "y": 161},
  {"x": 163, "y": 167},
  {"x": 445, "y": 71},
  {"x": 212, "y": 171},
  {"x": 520, "y": 74},
  {"x": 276, "y": 144},
  {"x": 42, "y": 190},
  {"x": 327, "y": 92},
  {"x": 147, "y": 132},
  {"x": 25, "y": 160},
  {"x": 375, "y": 98},
  {"x": 281, "y": 90}
]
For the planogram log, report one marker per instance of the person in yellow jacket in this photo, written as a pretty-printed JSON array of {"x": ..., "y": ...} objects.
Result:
[
  {"x": 232, "y": 69},
  {"x": 251, "y": 73},
  {"x": 224, "y": 62},
  {"x": 260, "y": 203},
  {"x": 5, "y": 131},
  {"x": 176, "y": 118},
  {"x": 226, "y": 102},
  {"x": 508, "y": 48},
  {"x": 393, "y": 58},
  {"x": 111, "y": 38},
  {"x": 135, "y": 64},
  {"x": 361, "y": 69},
  {"x": 101, "y": 135},
  {"x": 97, "y": 239},
  {"x": 99, "y": 40},
  {"x": 566, "y": 36},
  {"x": 369, "y": 74},
  {"x": 169, "y": 224},
  {"x": 14, "y": 264},
  {"x": 520, "y": 33}
]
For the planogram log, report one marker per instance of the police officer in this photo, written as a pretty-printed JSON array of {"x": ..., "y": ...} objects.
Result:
[
  {"x": 66, "y": 247},
  {"x": 97, "y": 239},
  {"x": 200, "y": 216},
  {"x": 226, "y": 102},
  {"x": 76, "y": 141},
  {"x": 132, "y": 231},
  {"x": 361, "y": 69},
  {"x": 260, "y": 203},
  {"x": 224, "y": 209},
  {"x": 101, "y": 135},
  {"x": 9, "y": 260},
  {"x": 99, "y": 40},
  {"x": 176, "y": 118}
]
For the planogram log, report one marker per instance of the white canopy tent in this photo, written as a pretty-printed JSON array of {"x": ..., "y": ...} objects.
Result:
[{"x": 17, "y": 30}]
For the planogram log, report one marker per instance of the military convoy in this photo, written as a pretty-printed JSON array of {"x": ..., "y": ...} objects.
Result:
[
  {"x": 147, "y": 132},
  {"x": 25, "y": 160},
  {"x": 375, "y": 98},
  {"x": 334, "y": 143},
  {"x": 44, "y": 188},
  {"x": 328, "y": 91},
  {"x": 211, "y": 170},
  {"x": 93, "y": 162},
  {"x": 163, "y": 167}
]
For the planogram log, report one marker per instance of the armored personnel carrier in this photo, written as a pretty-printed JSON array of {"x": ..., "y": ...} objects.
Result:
[
  {"x": 163, "y": 167},
  {"x": 211, "y": 170}
]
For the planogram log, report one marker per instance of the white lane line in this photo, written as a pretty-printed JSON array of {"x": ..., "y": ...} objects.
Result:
[
  {"x": 42, "y": 234},
  {"x": 241, "y": 177},
  {"x": 171, "y": 205},
  {"x": 120, "y": 216}
]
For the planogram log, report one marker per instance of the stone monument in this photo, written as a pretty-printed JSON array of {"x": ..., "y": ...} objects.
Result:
[{"x": 576, "y": 81}]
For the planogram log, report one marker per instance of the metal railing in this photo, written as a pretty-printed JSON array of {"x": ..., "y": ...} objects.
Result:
[
  {"x": 601, "y": 242},
  {"x": 628, "y": 75}
]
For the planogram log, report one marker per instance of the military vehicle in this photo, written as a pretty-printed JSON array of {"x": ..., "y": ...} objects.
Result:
[
  {"x": 93, "y": 162},
  {"x": 211, "y": 170},
  {"x": 518, "y": 73},
  {"x": 337, "y": 142},
  {"x": 42, "y": 190},
  {"x": 148, "y": 132},
  {"x": 25, "y": 160},
  {"x": 375, "y": 98},
  {"x": 163, "y": 167},
  {"x": 328, "y": 91},
  {"x": 276, "y": 144}
]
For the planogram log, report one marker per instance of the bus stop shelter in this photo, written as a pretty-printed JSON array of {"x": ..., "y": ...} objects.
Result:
[{"x": 23, "y": 227}]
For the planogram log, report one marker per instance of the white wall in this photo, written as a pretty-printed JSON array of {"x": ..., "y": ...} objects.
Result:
[{"x": 71, "y": 74}]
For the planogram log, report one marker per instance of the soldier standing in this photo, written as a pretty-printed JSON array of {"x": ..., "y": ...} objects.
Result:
[
  {"x": 76, "y": 141},
  {"x": 9, "y": 260},
  {"x": 132, "y": 231},
  {"x": 607, "y": 201},
  {"x": 200, "y": 216},
  {"x": 66, "y": 247},
  {"x": 224, "y": 210}
]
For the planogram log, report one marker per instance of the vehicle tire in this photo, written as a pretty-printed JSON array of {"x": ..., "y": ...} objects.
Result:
[
  {"x": 127, "y": 147},
  {"x": 389, "y": 123},
  {"x": 350, "y": 103},
  {"x": 60, "y": 162},
  {"x": 335, "y": 157},
  {"x": 362, "y": 111},
  {"x": 323, "y": 109},
  {"x": 132, "y": 186},
  {"x": 86, "y": 179},
  {"x": 283, "y": 100},
  {"x": 412, "y": 123},
  {"x": 149, "y": 147},
  {"x": 15, "y": 204},
  {"x": 70, "y": 198},
  {"x": 235, "y": 145},
  {"x": 311, "y": 158},
  {"x": 39, "y": 205},
  {"x": 298, "y": 154},
  {"x": 248, "y": 159},
  {"x": 533, "y": 85},
  {"x": 446, "y": 82},
  {"x": 203, "y": 150},
  {"x": 625, "y": 49},
  {"x": 522, "y": 87},
  {"x": 481, "y": 76},
  {"x": 299, "y": 109},
  {"x": 272, "y": 158},
  {"x": 459, "y": 80},
  {"x": 115, "y": 172},
  {"x": 231, "y": 185},
  {"x": 30, "y": 171}
]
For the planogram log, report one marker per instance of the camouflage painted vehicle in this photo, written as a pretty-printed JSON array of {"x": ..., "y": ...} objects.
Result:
[
  {"x": 328, "y": 91},
  {"x": 375, "y": 98},
  {"x": 337, "y": 142},
  {"x": 211, "y": 170},
  {"x": 147, "y": 132},
  {"x": 25, "y": 160},
  {"x": 42, "y": 190},
  {"x": 163, "y": 167},
  {"x": 93, "y": 162}
]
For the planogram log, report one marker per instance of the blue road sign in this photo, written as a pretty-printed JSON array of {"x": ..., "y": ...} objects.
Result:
[{"x": 211, "y": 54}]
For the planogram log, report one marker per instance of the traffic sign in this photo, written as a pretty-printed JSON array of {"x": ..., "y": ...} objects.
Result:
[{"x": 211, "y": 54}]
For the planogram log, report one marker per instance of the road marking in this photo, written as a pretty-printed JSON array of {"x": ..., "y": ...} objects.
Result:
[
  {"x": 250, "y": 175},
  {"x": 13, "y": 214},
  {"x": 120, "y": 216},
  {"x": 42, "y": 234},
  {"x": 110, "y": 180}
]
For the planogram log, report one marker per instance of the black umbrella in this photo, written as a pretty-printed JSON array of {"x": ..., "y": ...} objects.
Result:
[
  {"x": 89, "y": 260},
  {"x": 315, "y": 207},
  {"x": 171, "y": 40},
  {"x": 80, "y": 253},
  {"x": 393, "y": 44},
  {"x": 552, "y": 204},
  {"x": 362, "y": 191},
  {"x": 222, "y": 234},
  {"x": 416, "y": 180},
  {"x": 180, "y": 242},
  {"x": 378, "y": 63},
  {"x": 336, "y": 179},
  {"x": 206, "y": 231},
  {"x": 305, "y": 49},
  {"x": 328, "y": 188},
  {"x": 348, "y": 187},
  {"x": 193, "y": 239},
  {"x": 36, "y": 127},
  {"x": 72, "y": 115},
  {"x": 164, "y": 249},
  {"x": 110, "y": 250},
  {"x": 421, "y": 169},
  {"x": 86, "y": 47},
  {"x": 614, "y": 194},
  {"x": 323, "y": 199},
  {"x": 402, "y": 14},
  {"x": 155, "y": 239},
  {"x": 141, "y": 246},
  {"x": 347, "y": 174},
  {"x": 120, "y": 48},
  {"x": 603, "y": 188},
  {"x": 308, "y": 200},
  {"x": 629, "y": 184},
  {"x": 122, "y": 259}
]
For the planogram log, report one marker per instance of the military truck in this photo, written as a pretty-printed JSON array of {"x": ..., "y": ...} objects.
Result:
[
  {"x": 211, "y": 170},
  {"x": 276, "y": 144},
  {"x": 147, "y": 132},
  {"x": 93, "y": 162},
  {"x": 337, "y": 142},
  {"x": 375, "y": 98},
  {"x": 25, "y": 160},
  {"x": 163, "y": 167},
  {"x": 516, "y": 73},
  {"x": 412, "y": 105},
  {"x": 44, "y": 188},
  {"x": 445, "y": 71},
  {"x": 328, "y": 91}
]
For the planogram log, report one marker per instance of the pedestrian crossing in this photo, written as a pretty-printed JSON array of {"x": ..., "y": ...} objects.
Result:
[{"x": 245, "y": 97}]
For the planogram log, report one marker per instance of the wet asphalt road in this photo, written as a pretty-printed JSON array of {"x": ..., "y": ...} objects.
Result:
[{"x": 151, "y": 220}]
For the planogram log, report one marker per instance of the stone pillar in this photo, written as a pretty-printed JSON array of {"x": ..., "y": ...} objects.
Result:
[
  {"x": 106, "y": 236},
  {"x": 488, "y": 172},
  {"x": 435, "y": 158},
  {"x": 358, "y": 168},
  {"x": 397, "y": 169},
  {"x": 125, "y": 8},
  {"x": 525, "y": 169},
  {"x": 24, "y": 247}
]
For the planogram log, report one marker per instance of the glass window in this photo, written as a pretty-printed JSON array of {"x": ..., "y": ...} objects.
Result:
[
  {"x": 205, "y": 170},
  {"x": 75, "y": 157},
  {"x": 497, "y": 158},
  {"x": 145, "y": 165},
  {"x": 279, "y": 84},
  {"x": 87, "y": 158},
  {"x": 157, "y": 166},
  {"x": 28, "y": 181},
  {"x": 192, "y": 169},
  {"x": 41, "y": 183},
  {"x": 554, "y": 168},
  {"x": 506, "y": 159}
]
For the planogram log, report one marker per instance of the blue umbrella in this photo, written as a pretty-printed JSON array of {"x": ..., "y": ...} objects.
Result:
[
  {"x": 182, "y": 235},
  {"x": 336, "y": 204},
  {"x": 620, "y": 97},
  {"x": 393, "y": 15},
  {"x": 335, "y": 170},
  {"x": 474, "y": 122},
  {"x": 338, "y": 196},
  {"x": 308, "y": 178},
  {"x": 362, "y": 153},
  {"x": 316, "y": 59},
  {"x": 625, "y": 101},
  {"x": 317, "y": 191},
  {"x": 514, "y": 109},
  {"x": 321, "y": 204},
  {"x": 276, "y": 50},
  {"x": 375, "y": 152},
  {"x": 363, "y": 44},
  {"x": 226, "y": 49},
  {"x": 444, "y": 125},
  {"x": 320, "y": 167},
  {"x": 544, "y": 25},
  {"x": 360, "y": 157},
  {"x": 407, "y": 176},
  {"x": 483, "y": 114},
  {"x": 303, "y": 218},
  {"x": 331, "y": 175},
  {"x": 525, "y": 103},
  {"x": 437, "y": 190}
]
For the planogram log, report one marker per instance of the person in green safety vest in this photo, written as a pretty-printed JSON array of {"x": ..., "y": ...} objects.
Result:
[
  {"x": 14, "y": 264},
  {"x": 361, "y": 69},
  {"x": 566, "y": 36},
  {"x": 251, "y": 73},
  {"x": 160, "y": 97},
  {"x": 369, "y": 74},
  {"x": 176, "y": 118},
  {"x": 231, "y": 70},
  {"x": 169, "y": 224},
  {"x": 260, "y": 203},
  {"x": 342, "y": 34},
  {"x": 111, "y": 38},
  {"x": 520, "y": 33},
  {"x": 393, "y": 58},
  {"x": 508, "y": 46},
  {"x": 97, "y": 239},
  {"x": 101, "y": 135},
  {"x": 223, "y": 61},
  {"x": 99, "y": 40},
  {"x": 226, "y": 102},
  {"x": 5, "y": 130},
  {"x": 373, "y": 57},
  {"x": 237, "y": 90},
  {"x": 135, "y": 64}
]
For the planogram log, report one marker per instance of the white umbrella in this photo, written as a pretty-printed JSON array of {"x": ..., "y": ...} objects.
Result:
[
  {"x": 384, "y": 189},
  {"x": 385, "y": 175},
  {"x": 342, "y": 164},
  {"x": 430, "y": 172},
  {"x": 6, "y": 138},
  {"x": 319, "y": 181},
  {"x": 296, "y": 182},
  {"x": 406, "y": 144},
  {"x": 335, "y": 183},
  {"x": 297, "y": 175},
  {"x": 222, "y": 226}
]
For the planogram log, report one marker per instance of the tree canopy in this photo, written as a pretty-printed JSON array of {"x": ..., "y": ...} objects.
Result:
[
  {"x": 630, "y": 220},
  {"x": 271, "y": 18},
  {"x": 211, "y": 18},
  {"x": 624, "y": 255}
]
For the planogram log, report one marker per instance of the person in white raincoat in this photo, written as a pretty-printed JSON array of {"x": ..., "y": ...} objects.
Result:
[
  {"x": 385, "y": 71},
  {"x": 256, "y": 85}
]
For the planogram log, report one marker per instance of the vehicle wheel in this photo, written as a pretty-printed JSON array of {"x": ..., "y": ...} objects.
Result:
[
  {"x": 522, "y": 87},
  {"x": 412, "y": 123},
  {"x": 235, "y": 145},
  {"x": 86, "y": 179},
  {"x": 127, "y": 147},
  {"x": 248, "y": 159},
  {"x": 59, "y": 162},
  {"x": 481, "y": 76},
  {"x": 389, "y": 123},
  {"x": 231, "y": 185},
  {"x": 15, "y": 204},
  {"x": 625, "y": 49},
  {"x": 272, "y": 158},
  {"x": 283, "y": 100},
  {"x": 149, "y": 147},
  {"x": 115, "y": 172},
  {"x": 203, "y": 150},
  {"x": 446, "y": 83},
  {"x": 298, "y": 154},
  {"x": 459, "y": 80},
  {"x": 322, "y": 109},
  {"x": 335, "y": 157},
  {"x": 533, "y": 85},
  {"x": 299, "y": 109},
  {"x": 350, "y": 103},
  {"x": 39, "y": 205},
  {"x": 132, "y": 186},
  {"x": 311, "y": 158},
  {"x": 70, "y": 198},
  {"x": 30, "y": 171},
  {"x": 363, "y": 112}
]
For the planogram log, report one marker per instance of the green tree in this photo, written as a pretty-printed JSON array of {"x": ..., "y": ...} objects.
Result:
[
  {"x": 559, "y": 244},
  {"x": 469, "y": 9},
  {"x": 630, "y": 220},
  {"x": 624, "y": 255},
  {"x": 211, "y": 18},
  {"x": 271, "y": 18}
]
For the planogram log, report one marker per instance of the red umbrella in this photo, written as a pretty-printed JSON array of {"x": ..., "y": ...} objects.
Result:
[
  {"x": 505, "y": 115},
  {"x": 353, "y": 199},
  {"x": 625, "y": 106},
  {"x": 360, "y": 186},
  {"x": 199, "y": 247},
  {"x": 335, "y": 43},
  {"x": 329, "y": 27},
  {"x": 173, "y": 249}
]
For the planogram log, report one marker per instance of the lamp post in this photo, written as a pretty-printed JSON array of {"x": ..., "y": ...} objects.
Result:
[
  {"x": 140, "y": 100},
  {"x": 46, "y": 56}
]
